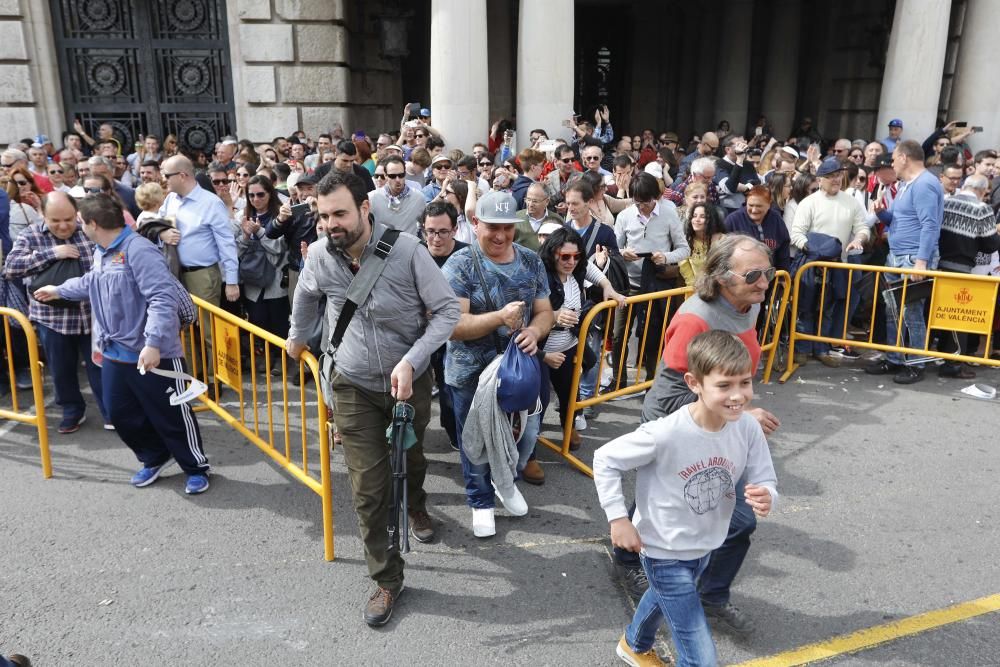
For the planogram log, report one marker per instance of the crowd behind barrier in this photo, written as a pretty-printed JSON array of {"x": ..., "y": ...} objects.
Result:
[{"x": 380, "y": 266}]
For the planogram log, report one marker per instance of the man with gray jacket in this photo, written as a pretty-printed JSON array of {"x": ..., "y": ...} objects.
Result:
[{"x": 384, "y": 357}]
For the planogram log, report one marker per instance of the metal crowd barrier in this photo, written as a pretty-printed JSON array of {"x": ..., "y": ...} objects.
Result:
[
  {"x": 14, "y": 413},
  {"x": 772, "y": 320},
  {"x": 262, "y": 407},
  {"x": 959, "y": 302}
]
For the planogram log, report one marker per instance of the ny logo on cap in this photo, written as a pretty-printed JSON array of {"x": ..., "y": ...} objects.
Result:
[{"x": 503, "y": 206}]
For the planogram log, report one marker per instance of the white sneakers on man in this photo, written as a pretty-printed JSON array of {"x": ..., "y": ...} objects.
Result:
[
  {"x": 483, "y": 523},
  {"x": 514, "y": 502}
]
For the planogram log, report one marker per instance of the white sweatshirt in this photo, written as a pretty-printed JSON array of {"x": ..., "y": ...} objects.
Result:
[{"x": 686, "y": 479}]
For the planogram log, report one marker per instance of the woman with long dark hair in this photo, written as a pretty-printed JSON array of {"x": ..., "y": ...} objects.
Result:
[{"x": 703, "y": 227}]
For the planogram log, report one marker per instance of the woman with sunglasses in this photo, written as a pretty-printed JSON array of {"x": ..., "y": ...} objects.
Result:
[
  {"x": 94, "y": 184},
  {"x": 267, "y": 307},
  {"x": 56, "y": 174},
  {"x": 25, "y": 201},
  {"x": 456, "y": 193},
  {"x": 567, "y": 267}
]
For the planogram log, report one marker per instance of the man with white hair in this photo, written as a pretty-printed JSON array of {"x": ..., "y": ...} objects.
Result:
[
  {"x": 968, "y": 227},
  {"x": 702, "y": 171}
]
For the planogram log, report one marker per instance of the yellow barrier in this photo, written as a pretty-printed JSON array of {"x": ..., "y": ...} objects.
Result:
[
  {"x": 959, "y": 302},
  {"x": 773, "y": 320},
  {"x": 255, "y": 419},
  {"x": 14, "y": 414}
]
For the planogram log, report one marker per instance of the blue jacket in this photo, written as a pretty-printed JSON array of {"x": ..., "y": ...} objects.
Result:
[
  {"x": 133, "y": 297},
  {"x": 519, "y": 188},
  {"x": 772, "y": 231}
]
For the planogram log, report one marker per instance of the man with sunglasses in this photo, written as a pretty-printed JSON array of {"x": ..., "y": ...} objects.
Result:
[
  {"x": 566, "y": 171},
  {"x": 12, "y": 158},
  {"x": 396, "y": 204},
  {"x": 739, "y": 271},
  {"x": 707, "y": 147}
]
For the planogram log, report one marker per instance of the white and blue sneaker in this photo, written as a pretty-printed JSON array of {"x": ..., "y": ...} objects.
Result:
[
  {"x": 147, "y": 476},
  {"x": 196, "y": 484}
]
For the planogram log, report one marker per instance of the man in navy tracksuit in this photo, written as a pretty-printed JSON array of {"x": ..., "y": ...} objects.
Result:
[{"x": 135, "y": 300}]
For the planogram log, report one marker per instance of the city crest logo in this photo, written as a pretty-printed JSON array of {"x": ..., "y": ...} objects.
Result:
[{"x": 963, "y": 296}]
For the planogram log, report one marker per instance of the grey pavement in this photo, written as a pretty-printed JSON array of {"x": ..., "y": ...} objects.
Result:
[{"x": 888, "y": 510}]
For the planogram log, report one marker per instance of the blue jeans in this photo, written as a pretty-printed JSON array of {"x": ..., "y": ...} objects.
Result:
[
  {"x": 63, "y": 353},
  {"x": 673, "y": 593},
  {"x": 833, "y": 316},
  {"x": 478, "y": 486},
  {"x": 914, "y": 331}
]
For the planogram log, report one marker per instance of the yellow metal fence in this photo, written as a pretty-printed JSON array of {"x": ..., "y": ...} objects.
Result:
[{"x": 15, "y": 412}]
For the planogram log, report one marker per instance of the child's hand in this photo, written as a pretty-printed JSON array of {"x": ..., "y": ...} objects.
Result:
[
  {"x": 758, "y": 498},
  {"x": 625, "y": 536}
]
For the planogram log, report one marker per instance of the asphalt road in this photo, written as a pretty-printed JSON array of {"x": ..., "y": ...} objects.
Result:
[{"x": 888, "y": 510}]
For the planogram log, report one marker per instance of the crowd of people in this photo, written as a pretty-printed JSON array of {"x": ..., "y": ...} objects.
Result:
[{"x": 415, "y": 264}]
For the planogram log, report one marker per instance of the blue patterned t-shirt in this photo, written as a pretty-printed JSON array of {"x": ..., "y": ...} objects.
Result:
[{"x": 522, "y": 279}]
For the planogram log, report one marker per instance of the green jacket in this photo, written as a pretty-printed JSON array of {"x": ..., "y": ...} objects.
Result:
[{"x": 525, "y": 234}]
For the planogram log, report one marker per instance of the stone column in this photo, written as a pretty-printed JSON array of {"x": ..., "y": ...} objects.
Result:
[
  {"x": 459, "y": 72},
  {"x": 733, "y": 75},
  {"x": 975, "y": 96},
  {"x": 782, "y": 79},
  {"x": 914, "y": 67},
  {"x": 545, "y": 70}
]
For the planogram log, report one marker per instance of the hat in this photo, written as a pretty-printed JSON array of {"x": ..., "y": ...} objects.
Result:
[
  {"x": 895, "y": 122},
  {"x": 293, "y": 179},
  {"x": 654, "y": 169},
  {"x": 830, "y": 165},
  {"x": 671, "y": 137},
  {"x": 441, "y": 157},
  {"x": 498, "y": 208},
  {"x": 425, "y": 113},
  {"x": 791, "y": 152},
  {"x": 549, "y": 227},
  {"x": 883, "y": 161},
  {"x": 393, "y": 147},
  {"x": 306, "y": 179},
  {"x": 41, "y": 140}
]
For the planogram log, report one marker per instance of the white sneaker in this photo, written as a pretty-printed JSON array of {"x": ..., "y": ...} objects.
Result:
[
  {"x": 483, "y": 523},
  {"x": 580, "y": 422},
  {"x": 514, "y": 503}
]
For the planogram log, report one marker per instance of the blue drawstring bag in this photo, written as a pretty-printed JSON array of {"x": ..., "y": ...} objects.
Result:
[{"x": 520, "y": 379}]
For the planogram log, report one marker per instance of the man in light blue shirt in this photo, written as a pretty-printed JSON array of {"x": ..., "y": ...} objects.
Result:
[{"x": 202, "y": 233}]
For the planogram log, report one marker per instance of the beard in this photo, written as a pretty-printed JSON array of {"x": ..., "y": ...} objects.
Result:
[{"x": 345, "y": 240}]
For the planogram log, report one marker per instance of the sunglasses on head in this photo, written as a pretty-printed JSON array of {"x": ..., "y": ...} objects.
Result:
[{"x": 754, "y": 275}]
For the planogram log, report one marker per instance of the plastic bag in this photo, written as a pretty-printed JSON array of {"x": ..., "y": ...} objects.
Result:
[{"x": 519, "y": 379}]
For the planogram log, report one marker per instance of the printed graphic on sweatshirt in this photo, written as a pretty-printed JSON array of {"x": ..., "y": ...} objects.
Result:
[{"x": 708, "y": 481}]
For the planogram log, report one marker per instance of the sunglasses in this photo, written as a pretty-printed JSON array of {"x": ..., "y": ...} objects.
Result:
[
  {"x": 219, "y": 181},
  {"x": 256, "y": 195},
  {"x": 92, "y": 191},
  {"x": 55, "y": 171},
  {"x": 394, "y": 177},
  {"x": 485, "y": 164},
  {"x": 21, "y": 184},
  {"x": 568, "y": 256},
  {"x": 442, "y": 166},
  {"x": 7, "y": 165},
  {"x": 592, "y": 158},
  {"x": 566, "y": 160},
  {"x": 379, "y": 176},
  {"x": 420, "y": 136},
  {"x": 753, "y": 276},
  {"x": 171, "y": 174}
]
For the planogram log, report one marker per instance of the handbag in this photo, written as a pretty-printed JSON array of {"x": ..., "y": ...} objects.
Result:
[
  {"x": 56, "y": 274},
  {"x": 256, "y": 269}
]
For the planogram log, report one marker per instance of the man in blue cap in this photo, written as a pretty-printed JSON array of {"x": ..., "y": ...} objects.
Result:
[{"x": 895, "y": 134}]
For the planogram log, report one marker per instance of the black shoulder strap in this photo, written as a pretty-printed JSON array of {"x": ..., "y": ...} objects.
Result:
[{"x": 362, "y": 284}]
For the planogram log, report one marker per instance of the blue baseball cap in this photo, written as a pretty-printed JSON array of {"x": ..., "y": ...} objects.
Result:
[
  {"x": 830, "y": 165},
  {"x": 895, "y": 122},
  {"x": 425, "y": 113}
]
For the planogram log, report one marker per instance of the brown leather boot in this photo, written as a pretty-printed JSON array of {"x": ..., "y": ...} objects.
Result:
[
  {"x": 533, "y": 473},
  {"x": 574, "y": 440},
  {"x": 378, "y": 610}
]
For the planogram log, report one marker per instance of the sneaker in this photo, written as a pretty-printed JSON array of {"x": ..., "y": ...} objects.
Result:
[
  {"x": 845, "y": 353},
  {"x": 956, "y": 371},
  {"x": 828, "y": 360},
  {"x": 729, "y": 616},
  {"x": 71, "y": 424},
  {"x": 108, "y": 426},
  {"x": 434, "y": 391},
  {"x": 630, "y": 657},
  {"x": 483, "y": 522},
  {"x": 378, "y": 609},
  {"x": 454, "y": 445},
  {"x": 19, "y": 660},
  {"x": 580, "y": 422},
  {"x": 514, "y": 503},
  {"x": 147, "y": 476},
  {"x": 196, "y": 484},
  {"x": 22, "y": 378},
  {"x": 634, "y": 578},
  {"x": 533, "y": 473},
  {"x": 882, "y": 367},
  {"x": 908, "y": 375},
  {"x": 421, "y": 526}
]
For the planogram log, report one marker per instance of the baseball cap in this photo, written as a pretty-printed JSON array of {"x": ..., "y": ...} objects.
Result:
[
  {"x": 895, "y": 122},
  {"x": 498, "y": 208},
  {"x": 830, "y": 165},
  {"x": 393, "y": 147},
  {"x": 306, "y": 179},
  {"x": 655, "y": 169},
  {"x": 425, "y": 113},
  {"x": 883, "y": 161},
  {"x": 41, "y": 140}
]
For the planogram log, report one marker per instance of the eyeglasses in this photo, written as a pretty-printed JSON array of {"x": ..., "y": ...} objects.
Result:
[
  {"x": 393, "y": 177},
  {"x": 440, "y": 233},
  {"x": 92, "y": 191},
  {"x": 754, "y": 275},
  {"x": 219, "y": 181},
  {"x": 256, "y": 195},
  {"x": 568, "y": 256}
]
